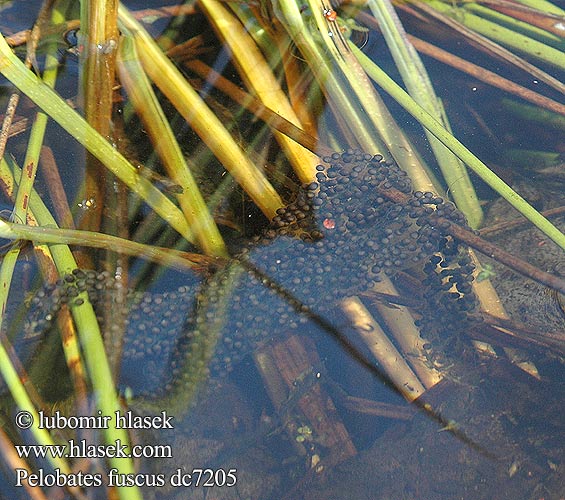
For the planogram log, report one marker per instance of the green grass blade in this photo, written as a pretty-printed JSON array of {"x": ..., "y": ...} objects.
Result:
[
  {"x": 436, "y": 128},
  {"x": 91, "y": 342},
  {"x": 502, "y": 35},
  {"x": 164, "y": 256},
  {"x": 28, "y": 83},
  {"x": 516, "y": 25},
  {"x": 420, "y": 87},
  {"x": 145, "y": 102}
]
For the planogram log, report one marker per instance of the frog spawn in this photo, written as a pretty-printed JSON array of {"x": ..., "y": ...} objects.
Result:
[{"x": 339, "y": 236}]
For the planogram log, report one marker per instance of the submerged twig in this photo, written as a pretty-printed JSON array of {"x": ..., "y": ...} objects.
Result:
[
  {"x": 511, "y": 224},
  {"x": 552, "y": 281}
]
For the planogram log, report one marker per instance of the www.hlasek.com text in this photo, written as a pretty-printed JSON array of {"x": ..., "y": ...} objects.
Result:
[{"x": 82, "y": 449}]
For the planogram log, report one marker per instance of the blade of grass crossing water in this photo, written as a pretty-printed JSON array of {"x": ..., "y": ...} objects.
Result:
[
  {"x": 26, "y": 81},
  {"x": 428, "y": 121},
  {"x": 419, "y": 86},
  {"x": 144, "y": 100}
]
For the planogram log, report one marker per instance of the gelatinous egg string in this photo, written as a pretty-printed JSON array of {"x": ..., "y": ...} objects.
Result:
[{"x": 338, "y": 237}]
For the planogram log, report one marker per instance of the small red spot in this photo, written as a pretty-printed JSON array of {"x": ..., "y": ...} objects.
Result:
[
  {"x": 330, "y": 15},
  {"x": 29, "y": 170},
  {"x": 25, "y": 202},
  {"x": 329, "y": 223}
]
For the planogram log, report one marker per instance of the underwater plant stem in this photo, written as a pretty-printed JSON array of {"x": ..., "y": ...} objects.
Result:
[
  {"x": 17, "y": 389},
  {"x": 408, "y": 338},
  {"x": 8, "y": 371},
  {"x": 9, "y": 260},
  {"x": 362, "y": 116},
  {"x": 98, "y": 38},
  {"x": 39, "y": 125},
  {"x": 147, "y": 106},
  {"x": 487, "y": 76},
  {"x": 25, "y": 186},
  {"x": 51, "y": 174},
  {"x": 487, "y": 296},
  {"x": 515, "y": 25},
  {"x": 204, "y": 122},
  {"x": 420, "y": 87},
  {"x": 511, "y": 224},
  {"x": 259, "y": 77},
  {"x": 14, "y": 461},
  {"x": 544, "y": 6},
  {"x": 543, "y": 118},
  {"x": 490, "y": 46},
  {"x": 15, "y": 71},
  {"x": 164, "y": 256},
  {"x": 487, "y": 175},
  {"x": 91, "y": 342},
  {"x": 485, "y": 247},
  {"x": 253, "y": 104},
  {"x": 502, "y": 35},
  {"x": 382, "y": 348},
  {"x": 7, "y": 121},
  {"x": 291, "y": 18}
]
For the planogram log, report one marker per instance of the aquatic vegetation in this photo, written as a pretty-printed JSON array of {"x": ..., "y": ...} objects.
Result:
[
  {"x": 298, "y": 205},
  {"x": 339, "y": 237}
]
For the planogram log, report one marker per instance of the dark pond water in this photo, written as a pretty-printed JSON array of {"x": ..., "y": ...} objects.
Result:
[{"x": 271, "y": 364}]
